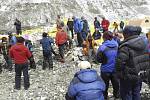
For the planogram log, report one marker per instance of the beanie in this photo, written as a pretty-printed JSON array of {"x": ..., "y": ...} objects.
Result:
[{"x": 84, "y": 65}]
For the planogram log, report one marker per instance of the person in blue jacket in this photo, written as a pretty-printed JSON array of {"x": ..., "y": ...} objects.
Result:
[
  {"x": 106, "y": 55},
  {"x": 12, "y": 39},
  {"x": 78, "y": 26},
  {"x": 47, "y": 51},
  {"x": 29, "y": 45},
  {"x": 85, "y": 29},
  {"x": 86, "y": 84}
]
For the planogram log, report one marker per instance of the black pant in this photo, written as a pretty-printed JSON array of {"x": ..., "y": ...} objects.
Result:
[
  {"x": 61, "y": 48},
  {"x": 69, "y": 98},
  {"x": 8, "y": 61},
  {"x": 48, "y": 60},
  {"x": 0, "y": 68},
  {"x": 32, "y": 62},
  {"x": 52, "y": 50},
  {"x": 18, "y": 31},
  {"x": 71, "y": 29},
  {"x": 19, "y": 68},
  {"x": 80, "y": 40},
  {"x": 115, "y": 83}
]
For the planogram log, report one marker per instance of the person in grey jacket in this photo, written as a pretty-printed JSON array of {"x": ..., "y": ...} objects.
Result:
[{"x": 133, "y": 63}]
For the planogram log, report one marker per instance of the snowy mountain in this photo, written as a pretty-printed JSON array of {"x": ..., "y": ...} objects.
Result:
[{"x": 35, "y": 12}]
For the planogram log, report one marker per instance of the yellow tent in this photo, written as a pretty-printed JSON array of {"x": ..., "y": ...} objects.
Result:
[{"x": 144, "y": 23}]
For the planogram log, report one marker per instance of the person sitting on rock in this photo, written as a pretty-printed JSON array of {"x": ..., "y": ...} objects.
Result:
[
  {"x": 47, "y": 51},
  {"x": 96, "y": 35},
  {"x": 86, "y": 84}
]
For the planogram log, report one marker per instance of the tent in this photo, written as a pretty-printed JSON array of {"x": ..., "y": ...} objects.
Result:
[{"x": 144, "y": 23}]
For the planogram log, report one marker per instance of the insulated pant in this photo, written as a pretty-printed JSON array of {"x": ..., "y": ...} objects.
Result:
[
  {"x": 0, "y": 68},
  {"x": 19, "y": 68},
  {"x": 8, "y": 61},
  {"x": 32, "y": 62},
  {"x": 72, "y": 32},
  {"x": 115, "y": 83},
  {"x": 61, "y": 50},
  {"x": 80, "y": 40},
  {"x": 48, "y": 60},
  {"x": 130, "y": 90},
  {"x": 18, "y": 32},
  {"x": 69, "y": 98}
]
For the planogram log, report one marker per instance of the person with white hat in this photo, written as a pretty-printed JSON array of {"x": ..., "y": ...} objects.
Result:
[{"x": 86, "y": 84}]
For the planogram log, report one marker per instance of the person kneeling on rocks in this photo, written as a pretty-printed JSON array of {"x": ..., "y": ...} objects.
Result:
[
  {"x": 86, "y": 84},
  {"x": 20, "y": 54},
  {"x": 47, "y": 51}
]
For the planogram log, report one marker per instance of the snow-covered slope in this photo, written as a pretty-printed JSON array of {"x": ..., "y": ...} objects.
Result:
[{"x": 35, "y": 12}]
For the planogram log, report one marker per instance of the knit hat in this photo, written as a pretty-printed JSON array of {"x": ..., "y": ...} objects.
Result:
[
  {"x": 84, "y": 65},
  {"x": 130, "y": 30}
]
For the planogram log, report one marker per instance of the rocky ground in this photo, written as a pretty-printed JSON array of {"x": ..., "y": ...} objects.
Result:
[{"x": 46, "y": 84}]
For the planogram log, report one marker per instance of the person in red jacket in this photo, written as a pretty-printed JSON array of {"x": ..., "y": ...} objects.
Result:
[
  {"x": 61, "y": 40},
  {"x": 20, "y": 54},
  {"x": 105, "y": 24}
]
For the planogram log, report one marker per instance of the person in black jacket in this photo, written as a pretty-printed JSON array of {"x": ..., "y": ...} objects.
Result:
[
  {"x": 133, "y": 63},
  {"x": 70, "y": 26},
  {"x": 121, "y": 25},
  {"x": 18, "y": 27}
]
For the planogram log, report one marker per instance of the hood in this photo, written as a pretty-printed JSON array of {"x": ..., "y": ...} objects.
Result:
[
  {"x": 111, "y": 43},
  {"x": 87, "y": 75},
  {"x": 17, "y": 47},
  {"x": 137, "y": 42}
]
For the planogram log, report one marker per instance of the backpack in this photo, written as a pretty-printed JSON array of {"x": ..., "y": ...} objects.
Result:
[
  {"x": 85, "y": 26},
  {"x": 136, "y": 68},
  {"x": 96, "y": 35}
]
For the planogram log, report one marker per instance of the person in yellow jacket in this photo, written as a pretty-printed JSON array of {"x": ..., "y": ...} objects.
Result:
[
  {"x": 89, "y": 47},
  {"x": 115, "y": 27}
]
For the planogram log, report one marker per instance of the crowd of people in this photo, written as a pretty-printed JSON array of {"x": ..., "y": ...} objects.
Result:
[{"x": 124, "y": 57}]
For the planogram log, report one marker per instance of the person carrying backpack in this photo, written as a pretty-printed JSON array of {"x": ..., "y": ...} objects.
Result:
[
  {"x": 106, "y": 54},
  {"x": 132, "y": 64}
]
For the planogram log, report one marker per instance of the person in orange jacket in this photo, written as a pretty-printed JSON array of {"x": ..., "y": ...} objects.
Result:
[
  {"x": 61, "y": 40},
  {"x": 105, "y": 24}
]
